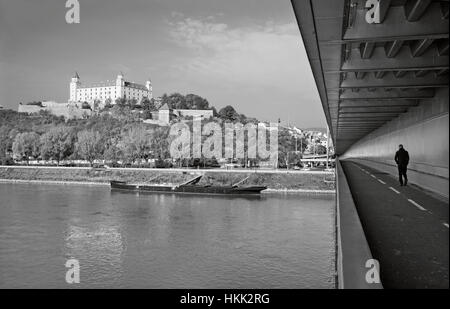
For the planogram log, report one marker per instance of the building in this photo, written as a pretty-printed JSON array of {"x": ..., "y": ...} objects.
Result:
[
  {"x": 109, "y": 90},
  {"x": 71, "y": 110},
  {"x": 165, "y": 114}
]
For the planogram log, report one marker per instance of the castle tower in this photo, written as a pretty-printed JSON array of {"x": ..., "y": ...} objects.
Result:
[
  {"x": 149, "y": 87},
  {"x": 120, "y": 83},
  {"x": 74, "y": 84}
]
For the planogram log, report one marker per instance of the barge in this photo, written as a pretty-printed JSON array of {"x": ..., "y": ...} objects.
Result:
[{"x": 189, "y": 187}]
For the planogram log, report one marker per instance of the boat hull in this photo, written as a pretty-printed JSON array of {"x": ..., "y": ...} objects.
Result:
[{"x": 189, "y": 189}]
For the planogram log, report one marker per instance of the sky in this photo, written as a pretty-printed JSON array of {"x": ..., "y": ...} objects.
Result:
[{"x": 244, "y": 53}]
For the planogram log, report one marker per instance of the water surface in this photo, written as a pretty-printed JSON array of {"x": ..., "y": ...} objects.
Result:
[{"x": 127, "y": 240}]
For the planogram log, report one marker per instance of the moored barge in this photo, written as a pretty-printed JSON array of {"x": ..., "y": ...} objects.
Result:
[{"x": 189, "y": 187}]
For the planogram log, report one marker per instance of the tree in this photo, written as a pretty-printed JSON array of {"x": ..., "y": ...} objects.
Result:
[
  {"x": 228, "y": 113},
  {"x": 4, "y": 143},
  {"x": 88, "y": 145},
  {"x": 215, "y": 113},
  {"x": 147, "y": 114},
  {"x": 135, "y": 143},
  {"x": 121, "y": 102},
  {"x": 177, "y": 101},
  {"x": 85, "y": 105},
  {"x": 113, "y": 150},
  {"x": 132, "y": 103},
  {"x": 148, "y": 105},
  {"x": 26, "y": 145},
  {"x": 159, "y": 143},
  {"x": 165, "y": 99},
  {"x": 57, "y": 143},
  {"x": 286, "y": 148},
  {"x": 108, "y": 102},
  {"x": 194, "y": 101},
  {"x": 320, "y": 149},
  {"x": 97, "y": 104}
]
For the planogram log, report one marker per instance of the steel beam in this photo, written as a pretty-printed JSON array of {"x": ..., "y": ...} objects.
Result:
[
  {"x": 359, "y": 75},
  {"x": 361, "y": 120},
  {"x": 397, "y": 27},
  {"x": 356, "y": 120},
  {"x": 444, "y": 9},
  {"x": 355, "y": 134},
  {"x": 370, "y": 115},
  {"x": 384, "y": 9},
  {"x": 344, "y": 132},
  {"x": 366, "y": 118},
  {"x": 400, "y": 74},
  {"x": 369, "y": 103},
  {"x": 414, "y": 9},
  {"x": 384, "y": 120},
  {"x": 421, "y": 73},
  {"x": 442, "y": 47},
  {"x": 356, "y": 129},
  {"x": 366, "y": 49},
  {"x": 404, "y": 60},
  {"x": 380, "y": 74},
  {"x": 392, "y": 48},
  {"x": 420, "y": 46},
  {"x": 373, "y": 109},
  {"x": 442, "y": 72},
  {"x": 382, "y": 94},
  {"x": 359, "y": 123},
  {"x": 351, "y": 133},
  {"x": 360, "y": 127},
  {"x": 392, "y": 82}
]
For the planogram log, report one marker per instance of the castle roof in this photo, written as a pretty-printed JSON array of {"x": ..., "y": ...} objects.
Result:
[
  {"x": 135, "y": 85},
  {"x": 76, "y": 75},
  {"x": 98, "y": 84},
  {"x": 110, "y": 83}
]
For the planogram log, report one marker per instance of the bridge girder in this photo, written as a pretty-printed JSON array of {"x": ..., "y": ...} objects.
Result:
[{"x": 370, "y": 73}]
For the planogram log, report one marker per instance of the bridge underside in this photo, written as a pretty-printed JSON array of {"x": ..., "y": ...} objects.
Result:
[
  {"x": 383, "y": 84},
  {"x": 383, "y": 81}
]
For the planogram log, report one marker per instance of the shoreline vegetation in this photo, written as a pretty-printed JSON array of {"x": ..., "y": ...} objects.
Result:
[
  {"x": 282, "y": 182},
  {"x": 119, "y": 135},
  {"x": 139, "y": 152}
]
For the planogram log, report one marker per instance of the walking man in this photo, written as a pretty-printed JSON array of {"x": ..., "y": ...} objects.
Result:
[{"x": 402, "y": 160}]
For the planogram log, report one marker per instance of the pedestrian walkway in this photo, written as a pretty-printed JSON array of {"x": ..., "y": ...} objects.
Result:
[{"x": 406, "y": 228}]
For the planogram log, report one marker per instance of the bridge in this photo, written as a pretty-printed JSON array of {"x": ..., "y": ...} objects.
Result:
[{"x": 382, "y": 70}]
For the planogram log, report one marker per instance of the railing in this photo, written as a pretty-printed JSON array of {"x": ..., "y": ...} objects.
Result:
[{"x": 353, "y": 252}]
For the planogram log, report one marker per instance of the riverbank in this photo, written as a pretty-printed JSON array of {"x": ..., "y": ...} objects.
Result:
[{"x": 276, "y": 181}]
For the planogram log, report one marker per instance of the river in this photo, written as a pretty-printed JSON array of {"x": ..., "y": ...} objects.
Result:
[{"x": 127, "y": 240}]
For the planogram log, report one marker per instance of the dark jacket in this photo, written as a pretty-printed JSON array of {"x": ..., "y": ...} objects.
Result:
[{"x": 401, "y": 157}]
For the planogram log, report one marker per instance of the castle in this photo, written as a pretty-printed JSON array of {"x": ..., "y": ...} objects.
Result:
[
  {"x": 105, "y": 92},
  {"x": 109, "y": 90}
]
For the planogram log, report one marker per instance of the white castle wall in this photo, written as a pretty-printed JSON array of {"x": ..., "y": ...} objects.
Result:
[{"x": 112, "y": 90}]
